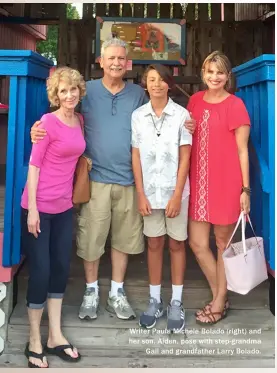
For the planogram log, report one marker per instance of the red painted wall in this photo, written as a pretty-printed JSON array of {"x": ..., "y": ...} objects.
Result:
[{"x": 16, "y": 37}]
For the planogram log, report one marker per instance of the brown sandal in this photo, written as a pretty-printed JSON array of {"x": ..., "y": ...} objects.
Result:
[
  {"x": 211, "y": 317},
  {"x": 208, "y": 306},
  {"x": 205, "y": 308}
]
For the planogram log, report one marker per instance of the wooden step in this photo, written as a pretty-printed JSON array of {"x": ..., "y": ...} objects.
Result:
[
  {"x": 19, "y": 361},
  {"x": 107, "y": 337},
  {"x": 255, "y": 318}
]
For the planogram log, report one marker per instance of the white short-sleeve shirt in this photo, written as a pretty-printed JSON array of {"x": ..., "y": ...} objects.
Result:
[{"x": 159, "y": 155}]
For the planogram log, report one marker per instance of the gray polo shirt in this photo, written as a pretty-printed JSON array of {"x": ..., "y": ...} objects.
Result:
[{"x": 108, "y": 130}]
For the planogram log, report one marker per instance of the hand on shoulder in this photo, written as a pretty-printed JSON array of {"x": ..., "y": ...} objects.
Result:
[{"x": 37, "y": 133}]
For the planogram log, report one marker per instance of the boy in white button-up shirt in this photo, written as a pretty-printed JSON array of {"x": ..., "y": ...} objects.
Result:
[{"x": 161, "y": 148}]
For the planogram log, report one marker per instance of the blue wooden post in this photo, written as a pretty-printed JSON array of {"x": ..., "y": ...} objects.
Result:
[
  {"x": 256, "y": 83},
  {"x": 28, "y": 102}
]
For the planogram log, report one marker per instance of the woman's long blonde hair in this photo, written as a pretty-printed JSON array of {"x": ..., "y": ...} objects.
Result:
[{"x": 222, "y": 63}]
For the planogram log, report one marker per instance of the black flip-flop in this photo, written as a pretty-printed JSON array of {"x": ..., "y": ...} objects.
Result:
[
  {"x": 59, "y": 351},
  {"x": 29, "y": 354}
]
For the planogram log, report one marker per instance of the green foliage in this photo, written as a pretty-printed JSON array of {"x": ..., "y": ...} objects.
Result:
[
  {"x": 72, "y": 12},
  {"x": 49, "y": 47}
]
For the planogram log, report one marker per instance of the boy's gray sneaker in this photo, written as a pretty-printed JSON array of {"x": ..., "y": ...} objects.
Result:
[
  {"x": 154, "y": 311},
  {"x": 89, "y": 306},
  {"x": 120, "y": 306},
  {"x": 175, "y": 317}
]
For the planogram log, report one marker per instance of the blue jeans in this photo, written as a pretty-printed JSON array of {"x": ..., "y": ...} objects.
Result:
[{"x": 48, "y": 256}]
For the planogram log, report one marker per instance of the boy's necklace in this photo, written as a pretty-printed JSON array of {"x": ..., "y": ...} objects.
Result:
[{"x": 158, "y": 131}]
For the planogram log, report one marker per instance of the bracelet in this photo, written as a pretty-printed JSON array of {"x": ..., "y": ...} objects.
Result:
[{"x": 246, "y": 190}]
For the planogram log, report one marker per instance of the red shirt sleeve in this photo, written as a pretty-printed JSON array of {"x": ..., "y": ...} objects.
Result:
[
  {"x": 194, "y": 100},
  {"x": 39, "y": 149},
  {"x": 238, "y": 115}
]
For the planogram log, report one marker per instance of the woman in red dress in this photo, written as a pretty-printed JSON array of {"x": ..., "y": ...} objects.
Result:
[{"x": 219, "y": 176}]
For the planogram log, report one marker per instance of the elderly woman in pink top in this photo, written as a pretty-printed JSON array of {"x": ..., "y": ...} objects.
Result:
[{"x": 47, "y": 215}]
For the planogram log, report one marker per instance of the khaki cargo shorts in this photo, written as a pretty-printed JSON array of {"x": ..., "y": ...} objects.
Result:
[{"x": 114, "y": 207}]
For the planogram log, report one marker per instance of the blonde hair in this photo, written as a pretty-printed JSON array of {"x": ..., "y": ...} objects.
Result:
[
  {"x": 68, "y": 75},
  {"x": 222, "y": 63}
]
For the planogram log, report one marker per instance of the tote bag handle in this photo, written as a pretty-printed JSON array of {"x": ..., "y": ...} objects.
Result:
[
  {"x": 242, "y": 219},
  {"x": 236, "y": 227}
]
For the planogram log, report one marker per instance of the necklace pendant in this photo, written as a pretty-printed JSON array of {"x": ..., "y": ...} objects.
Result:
[{"x": 158, "y": 134}]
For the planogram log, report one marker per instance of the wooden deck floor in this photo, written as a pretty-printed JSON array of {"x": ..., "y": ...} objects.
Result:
[{"x": 244, "y": 339}]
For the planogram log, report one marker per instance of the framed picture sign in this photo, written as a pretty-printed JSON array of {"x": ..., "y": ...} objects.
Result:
[{"x": 149, "y": 40}]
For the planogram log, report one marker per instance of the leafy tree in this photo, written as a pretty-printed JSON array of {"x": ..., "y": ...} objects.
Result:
[
  {"x": 49, "y": 47},
  {"x": 72, "y": 12}
]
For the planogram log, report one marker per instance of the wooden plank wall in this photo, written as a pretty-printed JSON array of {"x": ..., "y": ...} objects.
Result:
[
  {"x": 206, "y": 32},
  {"x": 241, "y": 41},
  {"x": 247, "y": 11}
]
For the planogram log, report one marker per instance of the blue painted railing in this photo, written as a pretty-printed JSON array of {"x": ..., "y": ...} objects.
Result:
[
  {"x": 27, "y": 102},
  {"x": 256, "y": 84}
]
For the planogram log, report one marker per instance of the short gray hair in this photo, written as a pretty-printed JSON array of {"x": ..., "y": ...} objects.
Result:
[{"x": 113, "y": 42}]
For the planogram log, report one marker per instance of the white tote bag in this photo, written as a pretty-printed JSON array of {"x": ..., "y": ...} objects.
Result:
[{"x": 244, "y": 262}]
